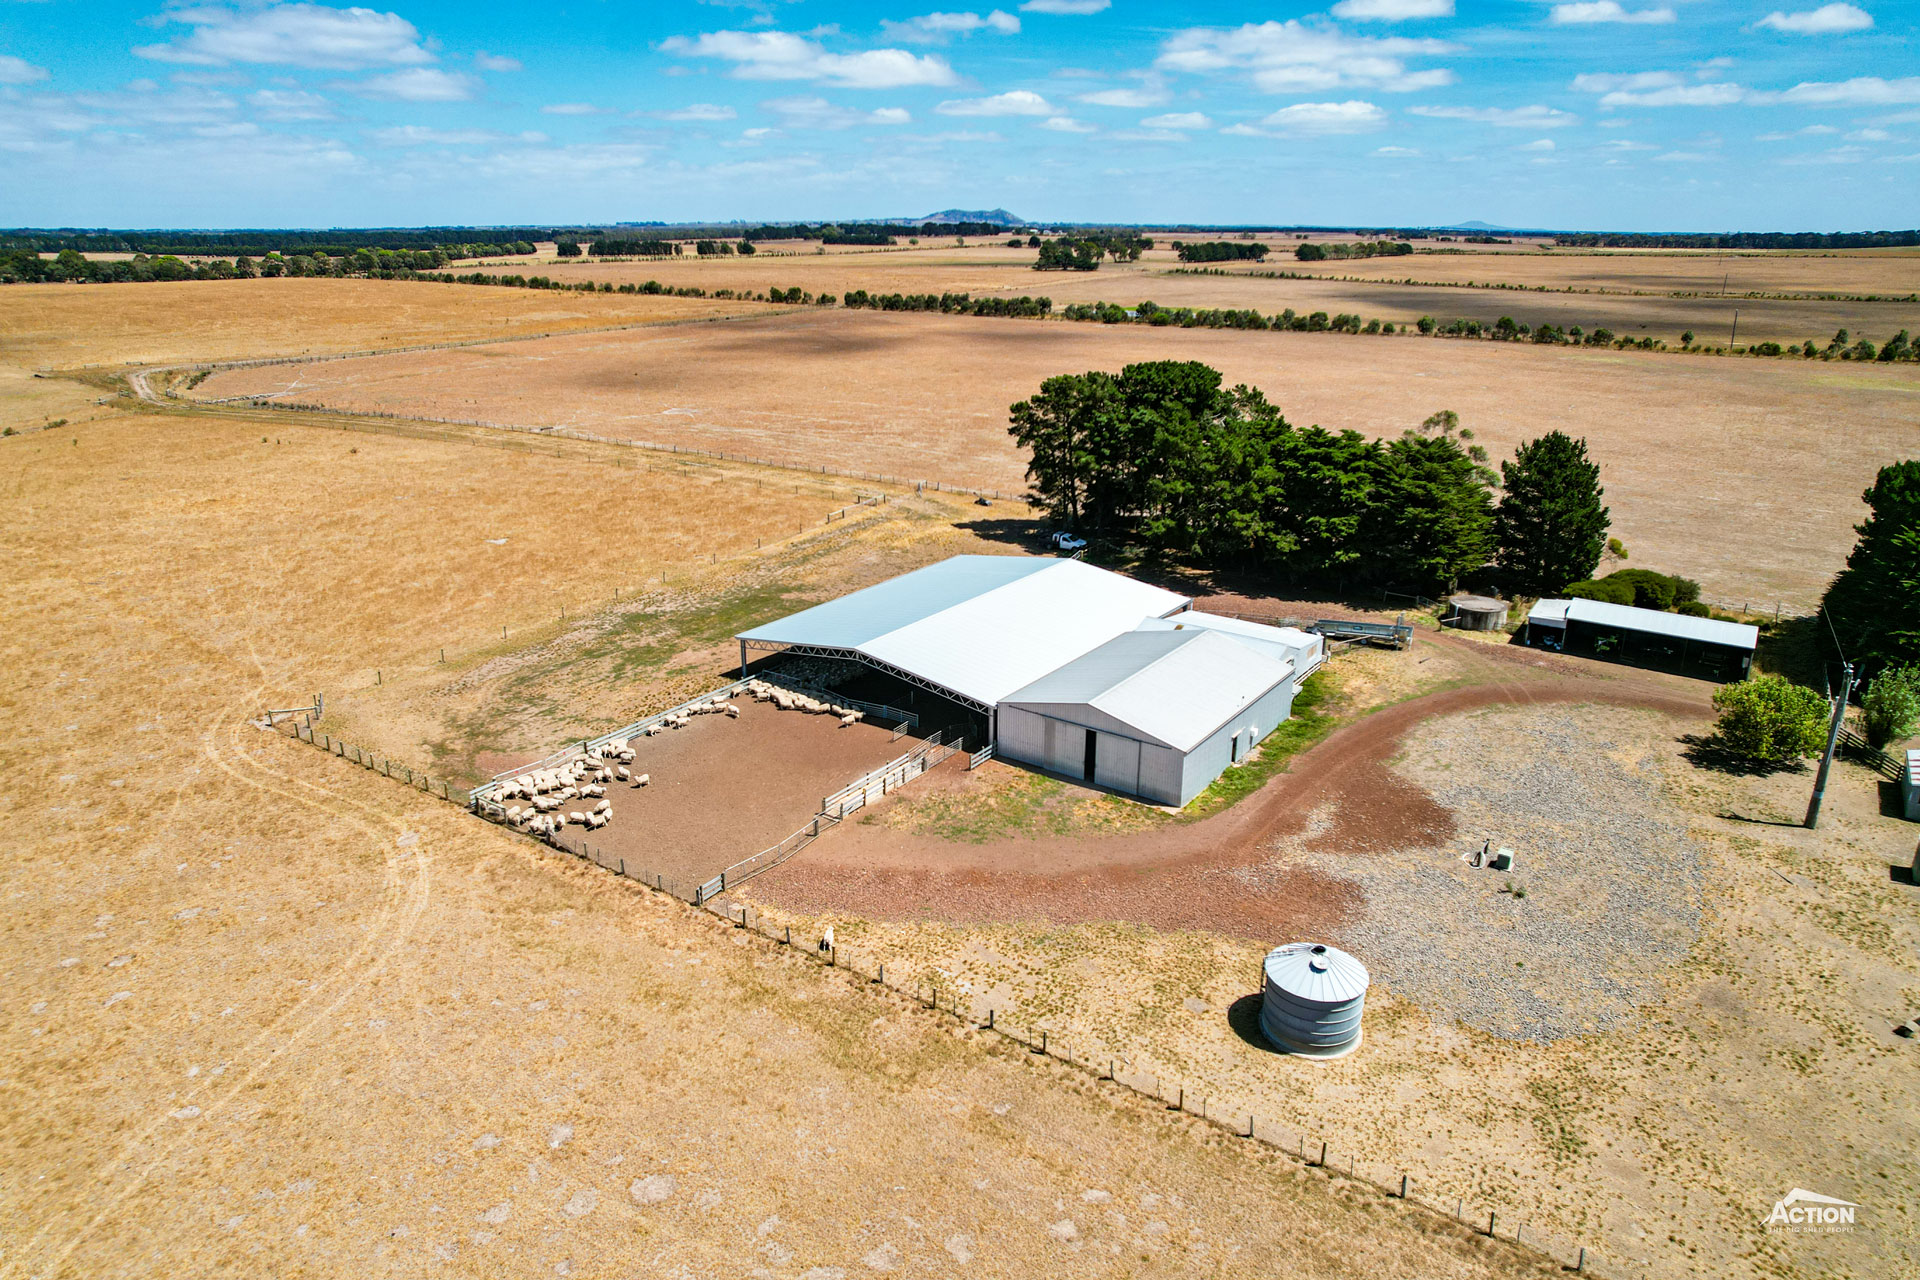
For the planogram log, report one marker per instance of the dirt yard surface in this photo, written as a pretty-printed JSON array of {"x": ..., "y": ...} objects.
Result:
[
  {"x": 1641, "y": 1053},
  {"x": 267, "y": 1013},
  {"x": 721, "y": 790},
  {"x": 1719, "y": 469}
]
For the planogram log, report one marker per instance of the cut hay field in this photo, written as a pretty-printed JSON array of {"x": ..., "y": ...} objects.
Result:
[
  {"x": 1723, "y": 469},
  {"x": 266, "y": 1013},
  {"x": 1590, "y": 289}
]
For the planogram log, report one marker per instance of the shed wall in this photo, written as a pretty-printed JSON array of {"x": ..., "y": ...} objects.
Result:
[{"x": 1211, "y": 758}]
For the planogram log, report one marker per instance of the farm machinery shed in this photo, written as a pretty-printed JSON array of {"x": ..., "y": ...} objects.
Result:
[
  {"x": 1704, "y": 647},
  {"x": 1071, "y": 668}
]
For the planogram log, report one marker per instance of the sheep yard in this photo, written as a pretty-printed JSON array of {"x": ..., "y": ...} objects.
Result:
[
  {"x": 269, "y": 1013},
  {"x": 1721, "y": 469}
]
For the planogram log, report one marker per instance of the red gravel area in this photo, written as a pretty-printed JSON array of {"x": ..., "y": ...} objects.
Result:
[
  {"x": 1211, "y": 874},
  {"x": 724, "y": 789}
]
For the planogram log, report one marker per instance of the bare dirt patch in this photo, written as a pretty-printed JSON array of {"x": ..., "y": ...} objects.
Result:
[
  {"x": 722, "y": 790},
  {"x": 1720, "y": 469}
]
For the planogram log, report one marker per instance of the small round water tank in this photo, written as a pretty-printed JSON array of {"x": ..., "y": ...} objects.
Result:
[
  {"x": 1476, "y": 613},
  {"x": 1312, "y": 1000}
]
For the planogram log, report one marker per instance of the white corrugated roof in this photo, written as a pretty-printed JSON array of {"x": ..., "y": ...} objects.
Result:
[
  {"x": 1276, "y": 641},
  {"x": 1549, "y": 613},
  {"x": 1174, "y": 688},
  {"x": 1913, "y": 768},
  {"x": 1735, "y": 635},
  {"x": 982, "y": 626}
]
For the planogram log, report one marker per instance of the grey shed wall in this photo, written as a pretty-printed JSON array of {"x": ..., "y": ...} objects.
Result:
[{"x": 1056, "y": 741}]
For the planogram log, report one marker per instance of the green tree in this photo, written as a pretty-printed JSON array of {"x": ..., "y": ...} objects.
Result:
[
  {"x": 1070, "y": 428},
  {"x": 1892, "y": 705},
  {"x": 567, "y": 248},
  {"x": 1551, "y": 527},
  {"x": 1310, "y": 253},
  {"x": 1874, "y": 603},
  {"x": 1771, "y": 719},
  {"x": 1431, "y": 520}
]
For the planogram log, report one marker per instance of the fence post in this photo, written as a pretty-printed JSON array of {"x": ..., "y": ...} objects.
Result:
[
  {"x": 1489, "y": 1224},
  {"x": 1323, "y": 1155},
  {"x": 1581, "y": 1265},
  {"x": 1405, "y": 1182}
]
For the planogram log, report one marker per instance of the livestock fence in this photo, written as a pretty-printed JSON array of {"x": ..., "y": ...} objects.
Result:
[
  {"x": 482, "y": 794},
  {"x": 1854, "y": 747},
  {"x": 419, "y": 780},
  {"x": 554, "y": 432},
  {"x": 891, "y": 776},
  {"x": 982, "y": 1016},
  {"x": 903, "y": 719}
]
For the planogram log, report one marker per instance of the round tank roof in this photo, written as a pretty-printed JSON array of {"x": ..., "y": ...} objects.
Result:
[
  {"x": 1317, "y": 973},
  {"x": 1478, "y": 604}
]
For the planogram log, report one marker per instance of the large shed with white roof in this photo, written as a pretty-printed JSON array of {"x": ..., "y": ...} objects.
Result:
[
  {"x": 1070, "y": 668},
  {"x": 1711, "y": 648}
]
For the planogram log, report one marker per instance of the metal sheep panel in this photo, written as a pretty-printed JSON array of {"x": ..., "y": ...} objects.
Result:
[{"x": 1312, "y": 1000}]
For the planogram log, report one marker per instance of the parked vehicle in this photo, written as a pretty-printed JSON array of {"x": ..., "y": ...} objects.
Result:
[{"x": 1067, "y": 542}]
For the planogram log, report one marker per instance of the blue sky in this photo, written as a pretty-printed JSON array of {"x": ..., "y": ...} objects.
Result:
[{"x": 1625, "y": 114}]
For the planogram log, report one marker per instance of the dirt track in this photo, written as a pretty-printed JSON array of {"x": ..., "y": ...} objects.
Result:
[{"x": 1212, "y": 874}]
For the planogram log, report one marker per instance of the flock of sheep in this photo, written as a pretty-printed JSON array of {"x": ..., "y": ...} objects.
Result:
[
  {"x": 587, "y": 777},
  {"x": 792, "y": 700},
  {"x": 547, "y": 791}
]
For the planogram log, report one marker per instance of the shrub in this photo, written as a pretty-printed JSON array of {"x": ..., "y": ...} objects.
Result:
[
  {"x": 1771, "y": 719},
  {"x": 1604, "y": 590},
  {"x": 1693, "y": 609},
  {"x": 1892, "y": 705}
]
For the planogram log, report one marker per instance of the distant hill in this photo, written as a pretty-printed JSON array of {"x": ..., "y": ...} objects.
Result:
[
  {"x": 1474, "y": 226},
  {"x": 998, "y": 217}
]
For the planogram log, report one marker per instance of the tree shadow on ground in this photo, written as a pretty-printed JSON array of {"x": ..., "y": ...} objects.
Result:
[
  {"x": 1029, "y": 535},
  {"x": 1797, "y": 648},
  {"x": 1710, "y": 751},
  {"x": 1243, "y": 1015}
]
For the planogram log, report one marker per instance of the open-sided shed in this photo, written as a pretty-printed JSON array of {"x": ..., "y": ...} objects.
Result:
[{"x": 1706, "y": 647}]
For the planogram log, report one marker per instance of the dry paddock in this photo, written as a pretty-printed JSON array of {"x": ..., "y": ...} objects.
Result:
[{"x": 723, "y": 789}]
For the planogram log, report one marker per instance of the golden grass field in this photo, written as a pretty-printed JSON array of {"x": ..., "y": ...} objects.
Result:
[
  {"x": 268, "y": 1013},
  {"x": 365, "y": 1033},
  {"x": 1723, "y": 469}
]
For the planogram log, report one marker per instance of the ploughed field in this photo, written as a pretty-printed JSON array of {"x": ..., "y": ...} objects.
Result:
[{"x": 1731, "y": 471}]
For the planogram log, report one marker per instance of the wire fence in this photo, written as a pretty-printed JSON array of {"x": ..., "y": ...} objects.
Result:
[{"x": 1089, "y": 1056}]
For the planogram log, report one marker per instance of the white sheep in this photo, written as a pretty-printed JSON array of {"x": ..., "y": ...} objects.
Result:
[
  {"x": 846, "y": 722},
  {"x": 577, "y": 818},
  {"x": 642, "y": 779},
  {"x": 733, "y": 712},
  {"x": 605, "y": 806},
  {"x": 623, "y": 774}
]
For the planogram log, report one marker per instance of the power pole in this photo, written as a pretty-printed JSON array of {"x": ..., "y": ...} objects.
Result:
[{"x": 1833, "y": 740}]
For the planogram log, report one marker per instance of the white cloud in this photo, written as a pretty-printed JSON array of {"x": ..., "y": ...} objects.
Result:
[
  {"x": 493, "y": 62},
  {"x": 417, "y": 84},
  {"x": 1591, "y": 11},
  {"x": 1828, "y": 19},
  {"x": 1072, "y": 8},
  {"x": 1811, "y": 131},
  {"x": 935, "y": 28},
  {"x": 573, "y": 109},
  {"x": 299, "y": 35},
  {"x": 1534, "y": 117},
  {"x": 1869, "y": 91},
  {"x": 1685, "y": 157},
  {"x": 1066, "y": 124},
  {"x": 1015, "y": 102},
  {"x": 1635, "y": 81},
  {"x": 780, "y": 55},
  {"x": 1136, "y": 99},
  {"x": 1326, "y": 117},
  {"x": 1178, "y": 120},
  {"x": 1543, "y": 144},
  {"x": 1626, "y": 144},
  {"x": 19, "y": 71},
  {"x": 1869, "y": 135},
  {"x": 1392, "y": 152},
  {"x": 1294, "y": 57},
  {"x": 699, "y": 112},
  {"x": 1690, "y": 95},
  {"x": 1392, "y": 10},
  {"x": 818, "y": 113},
  {"x": 413, "y": 135},
  {"x": 291, "y": 104}
]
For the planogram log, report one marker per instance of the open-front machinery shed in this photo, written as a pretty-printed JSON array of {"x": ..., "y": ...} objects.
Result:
[{"x": 1072, "y": 669}]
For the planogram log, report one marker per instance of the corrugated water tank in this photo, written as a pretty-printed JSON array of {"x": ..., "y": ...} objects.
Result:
[{"x": 1312, "y": 999}]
